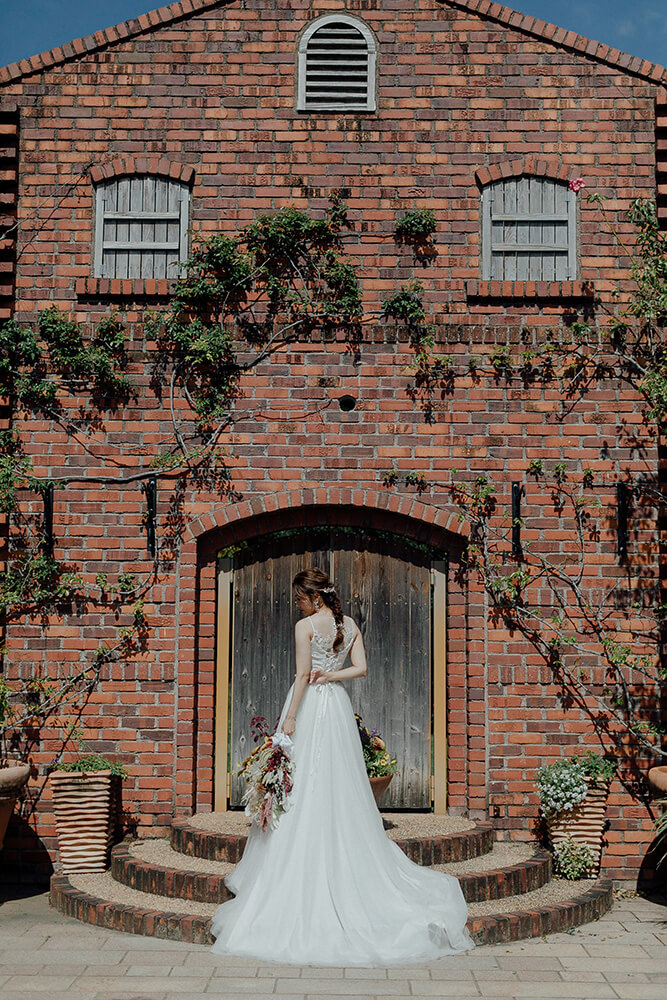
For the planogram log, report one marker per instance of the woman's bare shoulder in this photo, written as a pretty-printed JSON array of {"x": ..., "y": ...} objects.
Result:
[
  {"x": 350, "y": 623},
  {"x": 303, "y": 627}
]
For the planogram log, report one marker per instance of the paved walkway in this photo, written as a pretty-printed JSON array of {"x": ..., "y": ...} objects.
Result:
[{"x": 43, "y": 954}]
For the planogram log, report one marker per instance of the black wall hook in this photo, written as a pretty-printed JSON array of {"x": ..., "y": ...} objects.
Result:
[
  {"x": 149, "y": 488},
  {"x": 518, "y": 491},
  {"x": 47, "y": 531},
  {"x": 623, "y": 500}
]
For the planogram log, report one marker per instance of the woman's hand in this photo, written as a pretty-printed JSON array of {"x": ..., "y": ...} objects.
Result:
[
  {"x": 318, "y": 676},
  {"x": 289, "y": 725}
]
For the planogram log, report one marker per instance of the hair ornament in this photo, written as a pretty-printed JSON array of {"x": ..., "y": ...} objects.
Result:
[{"x": 328, "y": 590}]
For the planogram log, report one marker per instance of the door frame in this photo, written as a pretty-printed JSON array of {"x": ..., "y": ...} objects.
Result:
[{"x": 223, "y": 692}]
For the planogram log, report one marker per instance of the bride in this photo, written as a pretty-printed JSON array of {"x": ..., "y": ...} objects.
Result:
[{"x": 327, "y": 886}]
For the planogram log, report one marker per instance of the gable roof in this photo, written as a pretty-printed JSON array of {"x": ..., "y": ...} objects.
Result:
[{"x": 154, "y": 19}]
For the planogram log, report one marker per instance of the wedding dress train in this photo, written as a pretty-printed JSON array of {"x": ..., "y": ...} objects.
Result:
[{"x": 327, "y": 886}]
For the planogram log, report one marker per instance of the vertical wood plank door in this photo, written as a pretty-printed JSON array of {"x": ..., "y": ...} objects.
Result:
[{"x": 384, "y": 584}]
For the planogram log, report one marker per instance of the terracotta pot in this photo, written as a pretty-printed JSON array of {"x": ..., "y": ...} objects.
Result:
[
  {"x": 380, "y": 785},
  {"x": 657, "y": 779},
  {"x": 585, "y": 823},
  {"x": 14, "y": 776},
  {"x": 82, "y": 804}
]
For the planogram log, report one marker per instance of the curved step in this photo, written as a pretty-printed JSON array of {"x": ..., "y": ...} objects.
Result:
[
  {"x": 496, "y": 927},
  {"x": 426, "y": 849},
  {"x": 171, "y": 874}
]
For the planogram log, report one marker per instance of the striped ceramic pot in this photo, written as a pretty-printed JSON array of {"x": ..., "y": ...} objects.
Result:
[{"x": 82, "y": 804}]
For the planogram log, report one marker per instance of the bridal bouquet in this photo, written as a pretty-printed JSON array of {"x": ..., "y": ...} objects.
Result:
[{"x": 268, "y": 773}]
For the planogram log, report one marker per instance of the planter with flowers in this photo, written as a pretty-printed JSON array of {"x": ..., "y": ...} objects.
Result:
[
  {"x": 82, "y": 792},
  {"x": 573, "y": 797},
  {"x": 380, "y": 767}
]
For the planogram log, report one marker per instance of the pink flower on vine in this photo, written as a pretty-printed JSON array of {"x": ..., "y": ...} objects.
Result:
[{"x": 577, "y": 183}]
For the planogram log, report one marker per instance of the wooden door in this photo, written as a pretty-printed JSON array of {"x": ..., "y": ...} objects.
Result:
[{"x": 384, "y": 584}]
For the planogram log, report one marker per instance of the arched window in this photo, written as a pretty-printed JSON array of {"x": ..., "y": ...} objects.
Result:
[
  {"x": 528, "y": 230},
  {"x": 141, "y": 225},
  {"x": 337, "y": 66}
]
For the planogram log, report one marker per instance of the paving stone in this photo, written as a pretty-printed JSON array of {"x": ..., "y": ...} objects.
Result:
[
  {"x": 232, "y": 985},
  {"x": 286, "y": 971},
  {"x": 357, "y": 973},
  {"x": 18, "y": 968},
  {"x": 345, "y": 987},
  {"x": 581, "y": 976},
  {"x": 70, "y": 994},
  {"x": 141, "y": 987},
  {"x": 38, "y": 984},
  {"x": 411, "y": 972},
  {"x": 550, "y": 991},
  {"x": 214, "y": 991},
  {"x": 447, "y": 988},
  {"x": 448, "y": 967},
  {"x": 529, "y": 963},
  {"x": 61, "y": 959},
  {"x": 495, "y": 976}
]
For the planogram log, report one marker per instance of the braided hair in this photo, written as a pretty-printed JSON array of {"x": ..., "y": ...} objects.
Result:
[{"x": 313, "y": 582}]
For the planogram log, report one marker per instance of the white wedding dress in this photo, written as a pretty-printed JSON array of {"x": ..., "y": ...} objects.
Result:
[{"x": 327, "y": 886}]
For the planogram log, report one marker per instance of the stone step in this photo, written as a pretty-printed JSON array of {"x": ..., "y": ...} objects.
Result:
[
  {"x": 99, "y": 900},
  {"x": 427, "y": 839},
  {"x": 152, "y": 866}
]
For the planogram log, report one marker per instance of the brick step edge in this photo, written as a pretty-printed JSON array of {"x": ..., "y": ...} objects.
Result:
[
  {"x": 209, "y": 887},
  {"x": 435, "y": 850},
  {"x": 498, "y": 928}
]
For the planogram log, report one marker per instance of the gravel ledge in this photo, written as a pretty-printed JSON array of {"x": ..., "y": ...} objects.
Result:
[
  {"x": 450, "y": 838},
  {"x": 151, "y": 866},
  {"x": 507, "y": 924}
]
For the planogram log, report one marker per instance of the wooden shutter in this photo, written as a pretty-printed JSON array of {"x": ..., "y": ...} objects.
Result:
[
  {"x": 528, "y": 231},
  {"x": 337, "y": 66},
  {"x": 141, "y": 229}
]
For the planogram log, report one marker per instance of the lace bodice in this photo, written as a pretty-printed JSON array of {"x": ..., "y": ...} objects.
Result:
[{"x": 323, "y": 656}]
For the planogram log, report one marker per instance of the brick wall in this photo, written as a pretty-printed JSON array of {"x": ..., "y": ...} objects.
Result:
[{"x": 211, "y": 96}]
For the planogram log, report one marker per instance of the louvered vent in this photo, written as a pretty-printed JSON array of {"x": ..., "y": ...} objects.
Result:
[{"x": 338, "y": 71}]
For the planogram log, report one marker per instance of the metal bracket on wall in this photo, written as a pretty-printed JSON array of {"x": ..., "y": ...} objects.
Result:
[
  {"x": 47, "y": 533},
  {"x": 623, "y": 500},
  {"x": 149, "y": 489},
  {"x": 518, "y": 491}
]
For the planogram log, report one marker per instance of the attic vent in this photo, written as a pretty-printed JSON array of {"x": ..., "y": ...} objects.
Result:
[{"x": 337, "y": 66}]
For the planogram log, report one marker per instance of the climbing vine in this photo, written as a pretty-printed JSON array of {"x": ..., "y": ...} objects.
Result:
[
  {"x": 241, "y": 300},
  {"x": 604, "y": 649}
]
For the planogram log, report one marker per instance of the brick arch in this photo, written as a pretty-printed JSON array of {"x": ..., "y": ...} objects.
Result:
[
  {"x": 195, "y": 626},
  {"x": 160, "y": 166},
  {"x": 522, "y": 166},
  {"x": 414, "y": 516}
]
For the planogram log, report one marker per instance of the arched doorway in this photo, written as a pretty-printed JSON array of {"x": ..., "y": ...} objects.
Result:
[{"x": 395, "y": 588}]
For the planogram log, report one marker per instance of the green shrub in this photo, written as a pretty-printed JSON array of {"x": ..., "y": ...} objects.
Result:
[{"x": 573, "y": 860}]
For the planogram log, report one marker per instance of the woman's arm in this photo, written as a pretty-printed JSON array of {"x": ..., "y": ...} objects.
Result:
[
  {"x": 303, "y": 664},
  {"x": 359, "y": 667}
]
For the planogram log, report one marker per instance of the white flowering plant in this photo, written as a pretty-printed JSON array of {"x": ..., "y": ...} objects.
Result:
[
  {"x": 574, "y": 860},
  {"x": 563, "y": 784}
]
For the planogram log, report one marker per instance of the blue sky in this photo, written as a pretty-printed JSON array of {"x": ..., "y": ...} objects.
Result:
[{"x": 31, "y": 26}]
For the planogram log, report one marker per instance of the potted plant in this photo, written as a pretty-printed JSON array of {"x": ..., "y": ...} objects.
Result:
[
  {"x": 573, "y": 796},
  {"x": 14, "y": 773},
  {"x": 82, "y": 797},
  {"x": 380, "y": 767}
]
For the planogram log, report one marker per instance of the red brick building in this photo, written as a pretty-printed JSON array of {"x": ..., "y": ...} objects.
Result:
[{"x": 195, "y": 118}]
